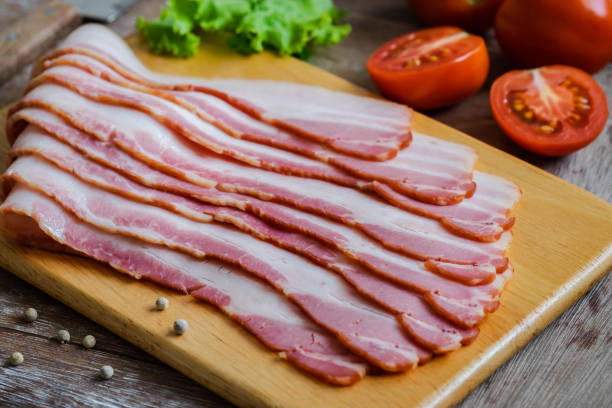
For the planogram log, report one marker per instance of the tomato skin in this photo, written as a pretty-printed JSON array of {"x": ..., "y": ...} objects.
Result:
[
  {"x": 436, "y": 86},
  {"x": 544, "y": 32},
  {"x": 462, "y": 13},
  {"x": 570, "y": 138}
]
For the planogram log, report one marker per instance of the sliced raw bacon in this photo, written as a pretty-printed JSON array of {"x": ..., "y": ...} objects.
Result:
[
  {"x": 431, "y": 170},
  {"x": 440, "y": 337},
  {"x": 195, "y": 129},
  {"x": 391, "y": 265},
  {"x": 149, "y": 141},
  {"x": 484, "y": 217},
  {"x": 489, "y": 209},
  {"x": 355, "y": 245},
  {"x": 344, "y": 239},
  {"x": 361, "y": 126},
  {"x": 277, "y": 323},
  {"x": 361, "y": 326}
]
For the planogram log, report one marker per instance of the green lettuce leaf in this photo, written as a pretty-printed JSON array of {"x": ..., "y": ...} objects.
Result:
[
  {"x": 171, "y": 32},
  {"x": 288, "y": 26}
]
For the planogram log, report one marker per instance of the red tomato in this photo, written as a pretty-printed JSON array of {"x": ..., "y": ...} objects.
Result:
[
  {"x": 473, "y": 15},
  {"x": 553, "y": 110},
  {"x": 568, "y": 32},
  {"x": 430, "y": 68}
]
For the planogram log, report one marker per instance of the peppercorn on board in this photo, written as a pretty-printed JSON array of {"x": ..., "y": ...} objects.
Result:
[{"x": 550, "y": 275}]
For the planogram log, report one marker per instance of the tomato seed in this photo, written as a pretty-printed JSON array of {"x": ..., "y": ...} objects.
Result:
[
  {"x": 581, "y": 99},
  {"x": 546, "y": 129},
  {"x": 583, "y": 107}
]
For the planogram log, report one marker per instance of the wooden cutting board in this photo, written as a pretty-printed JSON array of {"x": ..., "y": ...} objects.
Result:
[{"x": 562, "y": 246}]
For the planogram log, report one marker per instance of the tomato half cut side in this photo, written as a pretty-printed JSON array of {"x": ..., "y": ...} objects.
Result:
[
  {"x": 430, "y": 68},
  {"x": 552, "y": 110}
]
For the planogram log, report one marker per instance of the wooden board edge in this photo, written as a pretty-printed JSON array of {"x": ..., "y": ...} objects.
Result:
[
  {"x": 531, "y": 326},
  {"x": 483, "y": 145},
  {"x": 470, "y": 377}
]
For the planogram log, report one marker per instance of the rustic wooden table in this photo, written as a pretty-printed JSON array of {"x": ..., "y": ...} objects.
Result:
[{"x": 568, "y": 364}]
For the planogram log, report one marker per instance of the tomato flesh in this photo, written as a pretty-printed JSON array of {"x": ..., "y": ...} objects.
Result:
[
  {"x": 551, "y": 110},
  {"x": 430, "y": 68}
]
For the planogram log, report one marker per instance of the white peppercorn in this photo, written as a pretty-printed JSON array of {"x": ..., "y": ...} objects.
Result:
[
  {"x": 16, "y": 358},
  {"x": 106, "y": 372},
  {"x": 161, "y": 303},
  {"x": 180, "y": 326},
  {"x": 89, "y": 341},
  {"x": 30, "y": 314},
  {"x": 63, "y": 336}
]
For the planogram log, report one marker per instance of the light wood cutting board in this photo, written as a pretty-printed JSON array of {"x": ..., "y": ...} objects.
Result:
[{"x": 562, "y": 246}]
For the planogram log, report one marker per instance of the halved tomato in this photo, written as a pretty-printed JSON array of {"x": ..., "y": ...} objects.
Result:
[
  {"x": 430, "y": 68},
  {"x": 552, "y": 110}
]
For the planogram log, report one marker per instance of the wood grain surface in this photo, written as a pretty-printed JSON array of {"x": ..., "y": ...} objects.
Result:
[
  {"x": 577, "y": 343},
  {"x": 25, "y": 39}
]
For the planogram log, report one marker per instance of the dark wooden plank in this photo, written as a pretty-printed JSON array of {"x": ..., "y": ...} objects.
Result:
[
  {"x": 566, "y": 365},
  {"x": 25, "y": 39},
  {"x": 140, "y": 379},
  {"x": 67, "y": 375},
  {"x": 17, "y": 295}
]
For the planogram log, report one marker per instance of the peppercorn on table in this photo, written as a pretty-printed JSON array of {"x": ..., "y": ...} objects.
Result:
[{"x": 70, "y": 372}]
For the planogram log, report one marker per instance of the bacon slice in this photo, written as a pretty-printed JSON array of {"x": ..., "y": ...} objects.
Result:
[
  {"x": 435, "y": 186},
  {"x": 361, "y": 326},
  {"x": 342, "y": 238},
  {"x": 484, "y": 217},
  {"x": 441, "y": 337},
  {"x": 313, "y": 225},
  {"x": 192, "y": 127},
  {"x": 361, "y": 126},
  {"x": 394, "y": 266},
  {"x": 277, "y": 323},
  {"x": 146, "y": 139},
  {"x": 489, "y": 209},
  {"x": 431, "y": 170}
]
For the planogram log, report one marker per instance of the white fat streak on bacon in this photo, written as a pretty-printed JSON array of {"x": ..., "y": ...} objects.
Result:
[
  {"x": 323, "y": 296},
  {"x": 149, "y": 141},
  {"x": 483, "y": 217},
  {"x": 441, "y": 336},
  {"x": 483, "y": 209},
  {"x": 228, "y": 288},
  {"x": 367, "y": 253},
  {"x": 192, "y": 127},
  {"x": 95, "y": 118},
  {"x": 444, "y": 165},
  {"x": 371, "y": 128},
  {"x": 356, "y": 245}
]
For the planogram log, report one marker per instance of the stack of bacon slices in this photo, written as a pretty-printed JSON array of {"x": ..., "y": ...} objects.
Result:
[{"x": 315, "y": 219}]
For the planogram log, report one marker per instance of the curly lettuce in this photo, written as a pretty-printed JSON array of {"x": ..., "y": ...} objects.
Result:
[{"x": 288, "y": 27}]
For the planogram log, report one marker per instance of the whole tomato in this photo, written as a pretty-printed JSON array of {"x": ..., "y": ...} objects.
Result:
[
  {"x": 546, "y": 32},
  {"x": 472, "y": 15}
]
